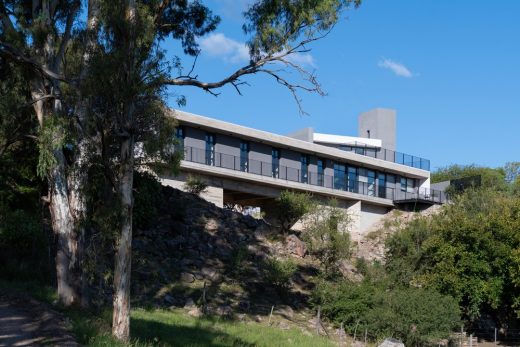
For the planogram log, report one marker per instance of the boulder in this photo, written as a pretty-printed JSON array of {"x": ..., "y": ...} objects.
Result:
[
  {"x": 187, "y": 277},
  {"x": 391, "y": 342},
  {"x": 295, "y": 246}
]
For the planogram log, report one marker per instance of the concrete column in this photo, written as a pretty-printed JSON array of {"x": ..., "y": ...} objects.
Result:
[
  {"x": 212, "y": 194},
  {"x": 354, "y": 214}
]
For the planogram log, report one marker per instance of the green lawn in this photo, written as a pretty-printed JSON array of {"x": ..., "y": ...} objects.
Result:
[
  {"x": 171, "y": 327},
  {"x": 176, "y": 328}
]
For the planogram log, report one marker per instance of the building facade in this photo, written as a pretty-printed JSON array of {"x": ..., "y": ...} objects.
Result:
[{"x": 251, "y": 167}]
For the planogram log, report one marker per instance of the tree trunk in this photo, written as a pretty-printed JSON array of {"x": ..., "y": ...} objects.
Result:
[
  {"x": 121, "y": 313},
  {"x": 64, "y": 226}
]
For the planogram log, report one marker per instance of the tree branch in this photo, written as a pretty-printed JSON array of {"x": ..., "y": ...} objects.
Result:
[
  {"x": 160, "y": 11},
  {"x": 4, "y": 18},
  {"x": 11, "y": 51},
  {"x": 259, "y": 66},
  {"x": 66, "y": 35}
]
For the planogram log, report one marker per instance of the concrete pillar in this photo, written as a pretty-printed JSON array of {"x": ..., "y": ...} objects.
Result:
[
  {"x": 354, "y": 214},
  {"x": 212, "y": 194}
]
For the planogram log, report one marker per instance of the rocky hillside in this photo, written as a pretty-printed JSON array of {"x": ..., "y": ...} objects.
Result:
[
  {"x": 203, "y": 257},
  {"x": 372, "y": 247}
]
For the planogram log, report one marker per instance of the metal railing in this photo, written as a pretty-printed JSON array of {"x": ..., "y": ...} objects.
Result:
[
  {"x": 421, "y": 195},
  {"x": 389, "y": 155},
  {"x": 267, "y": 169}
]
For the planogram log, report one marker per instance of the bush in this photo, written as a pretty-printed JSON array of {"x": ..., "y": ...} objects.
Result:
[
  {"x": 279, "y": 272},
  {"x": 465, "y": 252},
  {"x": 238, "y": 258},
  {"x": 195, "y": 185},
  {"x": 416, "y": 316},
  {"x": 23, "y": 247},
  {"x": 326, "y": 234},
  {"x": 291, "y": 207}
]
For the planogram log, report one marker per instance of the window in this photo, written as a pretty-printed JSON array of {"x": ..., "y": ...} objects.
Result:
[
  {"x": 381, "y": 185},
  {"x": 210, "y": 149},
  {"x": 244, "y": 156},
  {"x": 407, "y": 184},
  {"x": 321, "y": 169},
  {"x": 304, "y": 168},
  {"x": 179, "y": 134},
  {"x": 339, "y": 176},
  {"x": 403, "y": 184},
  {"x": 275, "y": 161},
  {"x": 371, "y": 183},
  {"x": 352, "y": 177}
]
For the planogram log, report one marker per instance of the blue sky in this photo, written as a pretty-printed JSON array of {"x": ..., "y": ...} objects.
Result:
[{"x": 451, "y": 69}]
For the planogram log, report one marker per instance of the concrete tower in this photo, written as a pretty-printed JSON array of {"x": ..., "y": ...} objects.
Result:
[{"x": 379, "y": 123}]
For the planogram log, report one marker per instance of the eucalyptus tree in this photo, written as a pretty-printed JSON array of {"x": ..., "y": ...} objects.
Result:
[
  {"x": 39, "y": 35},
  {"x": 99, "y": 84},
  {"x": 134, "y": 31}
]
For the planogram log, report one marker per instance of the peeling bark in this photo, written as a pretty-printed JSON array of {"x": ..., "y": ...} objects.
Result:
[{"x": 121, "y": 313}]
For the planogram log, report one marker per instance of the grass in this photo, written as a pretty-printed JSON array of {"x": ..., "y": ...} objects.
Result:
[{"x": 155, "y": 327}]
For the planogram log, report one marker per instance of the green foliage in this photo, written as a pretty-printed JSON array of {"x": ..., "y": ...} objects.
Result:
[
  {"x": 147, "y": 196},
  {"x": 52, "y": 137},
  {"x": 276, "y": 25},
  {"x": 467, "y": 252},
  {"x": 416, "y": 316},
  {"x": 238, "y": 258},
  {"x": 326, "y": 234},
  {"x": 279, "y": 273},
  {"x": 23, "y": 247},
  {"x": 491, "y": 178},
  {"x": 195, "y": 185},
  {"x": 292, "y": 206}
]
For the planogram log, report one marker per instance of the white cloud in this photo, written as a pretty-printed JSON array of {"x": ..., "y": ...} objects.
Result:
[
  {"x": 218, "y": 45},
  {"x": 236, "y": 52},
  {"x": 397, "y": 68},
  {"x": 303, "y": 59}
]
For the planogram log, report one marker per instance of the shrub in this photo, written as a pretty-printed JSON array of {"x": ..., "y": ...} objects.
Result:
[
  {"x": 326, "y": 234},
  {"x": 23, "y": 247},
  {"x": 279, "y": 272},
  {"x": 291, "y": 207},
  {"x": 419, "y": 317},
  {"x": 195, "y": 185},
  {"x": 238, "y": 257}
]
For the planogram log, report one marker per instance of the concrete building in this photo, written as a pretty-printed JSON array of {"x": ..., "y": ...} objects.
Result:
[{"x": 251, "y": 167}]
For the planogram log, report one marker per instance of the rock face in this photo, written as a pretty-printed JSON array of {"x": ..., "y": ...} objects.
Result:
[
  {"x": 295, "y": 246},
  {"x": 203, "y": 258}
]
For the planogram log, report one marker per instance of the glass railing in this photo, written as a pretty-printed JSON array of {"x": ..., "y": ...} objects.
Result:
[
  {"x": 266, "y": 169},
  {"x": 421, "y": 194},
  {"x": 389, "y": 155}
]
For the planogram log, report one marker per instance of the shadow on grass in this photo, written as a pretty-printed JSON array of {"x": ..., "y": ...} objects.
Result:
[{"x": 149, "y": 332}]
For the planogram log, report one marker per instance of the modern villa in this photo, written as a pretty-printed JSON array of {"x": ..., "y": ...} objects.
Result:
[{"x": 249, "y": 167}]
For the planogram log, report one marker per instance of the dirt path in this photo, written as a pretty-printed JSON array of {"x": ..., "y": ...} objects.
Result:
[{"x": 27, "y": 322}]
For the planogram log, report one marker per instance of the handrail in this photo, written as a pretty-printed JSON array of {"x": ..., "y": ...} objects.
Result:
[
  {"x": 389, "y": 155},
  {"x": 267, "y": 169}
]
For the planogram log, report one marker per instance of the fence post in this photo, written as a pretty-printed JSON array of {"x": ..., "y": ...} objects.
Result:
[
  {"x": 341, "y": 335},
  {"x": 470, "y": 340},
  {"x": 365, "y": 337},
  {"x": 461, "y": 334},
  {"x": 318, "y": 321},
  {"x": 270, "y": 315},
  {"x": 495, "y": 336}
]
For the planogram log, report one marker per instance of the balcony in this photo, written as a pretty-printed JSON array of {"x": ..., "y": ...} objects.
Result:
[
  {"x": 389, "y": 155},
  {"x": 420, "y": 195},
  {"x": 266, "y": 169}
]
